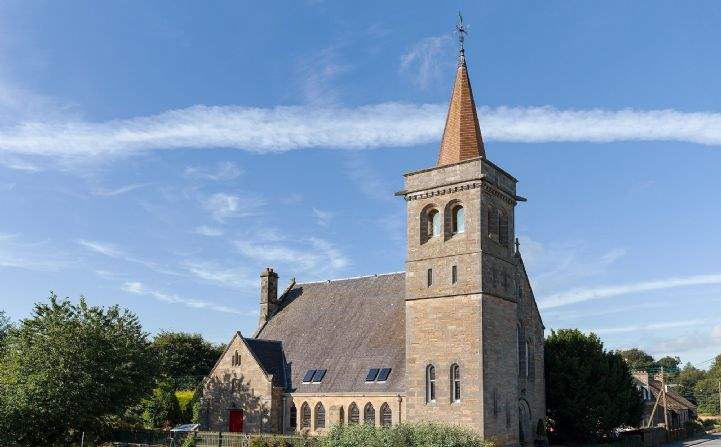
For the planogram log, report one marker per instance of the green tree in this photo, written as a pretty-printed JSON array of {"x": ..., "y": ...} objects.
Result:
[
  {"x": 185, "y": 358},
  {"x": 162, "y": 409},
  {"x": 669, "y": 365},
  {"x": 70, "y": 368},
  {"x": 687, "y": 379},
  {"x": 637, "y": 359},
  {"x": 4, "y": 325},
  {"x": 589, "y": 392},
  {"x": 706, "y": 390}
]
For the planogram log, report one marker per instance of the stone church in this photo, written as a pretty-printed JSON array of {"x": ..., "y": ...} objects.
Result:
[{"x": 457, "y": 338}]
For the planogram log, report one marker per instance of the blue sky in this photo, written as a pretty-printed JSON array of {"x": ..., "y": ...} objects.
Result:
[{"x": 159, "y": 154}]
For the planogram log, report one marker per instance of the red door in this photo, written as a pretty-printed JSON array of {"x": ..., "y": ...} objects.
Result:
[{"x": 235, "y": 421}]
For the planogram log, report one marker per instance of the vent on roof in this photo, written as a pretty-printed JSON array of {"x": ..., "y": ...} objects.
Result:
[
  {"x": 372, "y": 374},
  {"x": 318, "y": 376},
  {"x": 308, "y": 376}
]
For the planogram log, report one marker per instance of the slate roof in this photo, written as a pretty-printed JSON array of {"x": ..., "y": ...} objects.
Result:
[
  {"x": 270, "y": 356},
  {"x": 345, "y": 326}
]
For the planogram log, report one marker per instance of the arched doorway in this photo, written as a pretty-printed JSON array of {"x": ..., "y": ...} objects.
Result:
[{"x": 525, "y": 431}]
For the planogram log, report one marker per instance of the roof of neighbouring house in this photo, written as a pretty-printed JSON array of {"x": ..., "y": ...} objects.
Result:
[
  {"x": 344, "y": 326},
  {"x": 675, "y": 400}
]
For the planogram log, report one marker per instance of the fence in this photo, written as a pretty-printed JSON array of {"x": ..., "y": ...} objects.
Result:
[{"x": 225, "y": 439}]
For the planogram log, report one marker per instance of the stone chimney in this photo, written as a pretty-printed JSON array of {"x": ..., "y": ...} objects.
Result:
[
  {"x": 268, "y": 295},
  {"x": 641, "y": 376}
]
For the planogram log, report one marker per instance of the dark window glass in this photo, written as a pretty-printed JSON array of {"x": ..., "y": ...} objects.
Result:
[
  {"x": 430, "y": 277},
  {"x": 454, "y": 274},
  {"x": 369, "y": 415},
  {"x": 386, "y": 415},
  {"x": 383, "y": 375},
  {"x": 308, "y": 376},
  {"x": 353, "y": 414},
  {"x": 319, "y": 416},
  {"x": 305, "y": 415},
  {"x": 455, "y": 383},
  {"x": 318, "y": 376},
  {"x": 503, "y": 229},
  {"x": 293, "y": 417},
  {"x": 430, "y": 384},
  {"x": 372, "y": 374}
]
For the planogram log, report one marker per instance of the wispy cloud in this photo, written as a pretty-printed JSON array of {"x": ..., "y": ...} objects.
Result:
[
  {"x": 223, "y": 206},
  {"x": 222, "y": 171},
  {"x": 115, "y": 252},
  {"x": 323, "y": 218},
  {"x": 137, "y": 288},
  {"x": 424, "y": 60},
  {"x": 578, "y": 295},
  {"x": 228, "y": 277},
  {"x": 317, "y": 74},
  {"x": 280, "y": 129},
  {"x": 36, "y": 256},
  {"x": 105, "y": 192},
  {"x": 205, "y": 230},
  {"x": 649, "y": 326},
  {"x": 313, "y": 256}
]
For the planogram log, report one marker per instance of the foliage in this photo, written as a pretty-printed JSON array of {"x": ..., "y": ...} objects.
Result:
[
  {"x": 637, "y": 359},
  {"x": 402, "y": 435},
  {"x": 4, "y": 325},
  {"x": 188, "y": 441},
  {"x": 162, "y": 409},
  {"x": 185, "y": 402},
  {"x": 185, "y": 358},
  {"x": 687, "y": 379},
  {"x": 706, "y": 389},
  {"x": 694, "y": 426},
  {"x": 589, "y": 392},
  {"x": 70, "y": 368}
]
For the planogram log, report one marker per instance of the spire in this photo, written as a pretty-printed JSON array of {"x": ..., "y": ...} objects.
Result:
[{"x": 462, "y": 139}]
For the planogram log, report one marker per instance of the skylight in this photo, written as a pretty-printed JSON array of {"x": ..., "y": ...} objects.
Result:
[
  {"x": 309, "y": 376},
  {"x": 383, "y": 376},
  {"x": 372, "y": 374},
  {"x": 318, "y": 376}
]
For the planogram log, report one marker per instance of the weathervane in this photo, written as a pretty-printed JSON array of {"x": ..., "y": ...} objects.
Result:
[{"x": 461, "y": 30}]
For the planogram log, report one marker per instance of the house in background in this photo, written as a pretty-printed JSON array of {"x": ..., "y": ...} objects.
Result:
[
  {"x": 680, "y": 409},
  {"x": 457, "y": 338}
]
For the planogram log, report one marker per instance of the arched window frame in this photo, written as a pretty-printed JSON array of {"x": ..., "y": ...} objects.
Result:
[
  {"x": 319, "y": 416},
  {"x": 353, "y": 414},
  {"x": 431, "y": 224},
  {"x": 386, "y": 415},
  {"x": 455, "y": 379},
  {"x": 430, "y": 384},
  {"x": 369, "y": 415},
  {"x": 293, "y": 417},
  {"x": 305, "y": 416},
  {"x": 458, "y": 219}
]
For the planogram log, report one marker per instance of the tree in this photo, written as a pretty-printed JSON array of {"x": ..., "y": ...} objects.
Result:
[
  {"x": 706, "y": 390},
  {"x": 70, "y": 368},
  {"x": 637, "y": 359},
  {"x": 162, "y": 410},
  {"x": 687, "y": 379},
  {"x": 669, "y": 364},
  {"x": 4, "y": 325},
  {"x": 589, "y": 392},
  {"x": 185, "y": 358}
]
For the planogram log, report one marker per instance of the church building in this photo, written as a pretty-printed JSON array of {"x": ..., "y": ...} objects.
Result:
[{"x": 457, "y": 338}]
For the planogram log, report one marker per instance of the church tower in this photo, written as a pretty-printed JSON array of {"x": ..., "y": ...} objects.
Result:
[{"x": 464, "y": 281}]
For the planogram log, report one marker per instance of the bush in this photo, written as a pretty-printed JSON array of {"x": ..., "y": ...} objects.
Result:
[
  {"x": 189, "y": 441},
  {"x": 694, "y": 426},
  {"x": 402, "y": 435}
]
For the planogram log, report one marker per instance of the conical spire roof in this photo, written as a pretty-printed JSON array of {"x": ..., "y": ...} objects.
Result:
[{"x": 462, "y": 139}]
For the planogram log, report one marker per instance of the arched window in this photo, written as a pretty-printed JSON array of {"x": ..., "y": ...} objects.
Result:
[
  {"x": 341, "y": 416},
  {"x": 369, "y": 414},
  {"x": 293, "y": 417},
  {"x": 434, "y": 223},
  {"x": 430, "y": 384},
  {"x": 236, "y": 359},
  {"x": 305, "y": 415},
  {"x": 528, "y": 360},
  {"x": 455, "y": 383},
  {"x": 519, "y": 354},
  {"x": 458, "y": 220},
  {"x": 503, "y": 228},
  {"x": 319, "y": 416},
  {"x": 386, "y": 415},
  {"x": 353, "y": 414}
]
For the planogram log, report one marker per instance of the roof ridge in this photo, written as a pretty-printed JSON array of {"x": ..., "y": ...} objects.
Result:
[{"x": 350, "y": 278}]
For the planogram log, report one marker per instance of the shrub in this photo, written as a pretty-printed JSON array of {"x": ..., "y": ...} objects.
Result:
[
  {"x": 694, "y": 426},
  {"x": 403, "y": 435},
  {"x": 189, "y": 441}
]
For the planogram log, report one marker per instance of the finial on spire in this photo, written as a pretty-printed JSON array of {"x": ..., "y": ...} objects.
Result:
[
  {"x": 461, "y": 30},
  {"x": 518, "y": 247}
]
